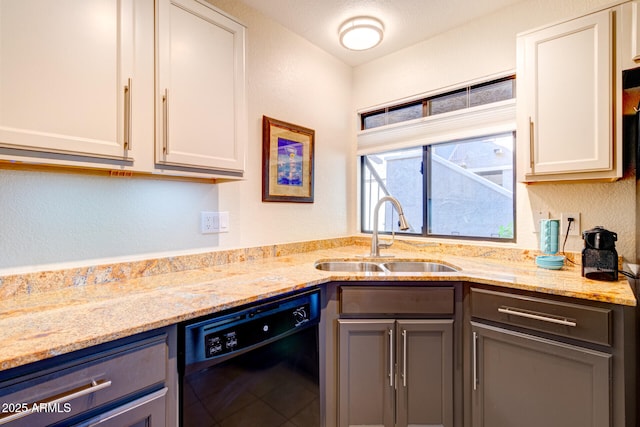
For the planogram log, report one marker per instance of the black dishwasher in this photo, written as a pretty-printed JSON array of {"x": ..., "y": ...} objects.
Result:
[{"x": 255, "y": 366}]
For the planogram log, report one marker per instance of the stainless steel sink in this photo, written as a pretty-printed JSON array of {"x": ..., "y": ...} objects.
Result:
[
  {"x": 384, "y": 267},
  {"x": 417, "y": 267},
  {"x": 349, "y": 266}
]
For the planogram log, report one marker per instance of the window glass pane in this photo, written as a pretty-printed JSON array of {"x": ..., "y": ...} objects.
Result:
[
  {"x": 451, "y": 102},
  {"x": 408, "y": 112},
  {"x": 395, "y": 173},
  {"x": 492, "y": 92},
  {"x": 373, "y": 120},
  {"x": 471, "y": 188}
]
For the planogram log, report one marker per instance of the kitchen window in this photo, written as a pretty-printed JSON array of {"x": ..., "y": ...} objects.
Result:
[{"x": 452, "y": 170}]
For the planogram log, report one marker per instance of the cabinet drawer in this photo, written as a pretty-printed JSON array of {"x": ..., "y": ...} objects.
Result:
[
  {"x": 576, "y": 321},
  {"x": 396, "y": 300},
  {"x": 88, "y": 384}
]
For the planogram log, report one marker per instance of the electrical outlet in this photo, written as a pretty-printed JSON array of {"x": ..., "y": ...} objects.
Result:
[
  {"x": 209, "y": 222},
  {"x": 574, "y": 228}
]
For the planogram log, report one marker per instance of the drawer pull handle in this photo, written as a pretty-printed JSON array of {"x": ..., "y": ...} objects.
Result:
[
  {"x": 58, "y": 399},
  {"x": 537, "y": 317}
]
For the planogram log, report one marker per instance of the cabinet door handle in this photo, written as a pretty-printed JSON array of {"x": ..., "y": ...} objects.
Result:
[
  {"x": 404, "y": 357},
  {"x": 475, "y": 360},
  {"x": 165, "y": 121},
  {"x": 58, "y": 399},
  {"x": 391, "y": 358},
  {"x": 509, "y": 311},
  {"x": 127, "y": 115},
  {"x": 531, "y": 144}
]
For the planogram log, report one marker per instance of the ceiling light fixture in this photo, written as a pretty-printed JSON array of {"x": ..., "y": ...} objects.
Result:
[{"x": 361, "y": 33}]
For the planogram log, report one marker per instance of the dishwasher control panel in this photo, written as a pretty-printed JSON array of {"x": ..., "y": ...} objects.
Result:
[
  {"x": 256, "y": 330},
  {"x": 250, "y": 327}
]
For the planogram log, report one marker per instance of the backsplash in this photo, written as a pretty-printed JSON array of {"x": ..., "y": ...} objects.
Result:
[
  {"x": 37, "y": 282},
  {"x": 43, "y": 281}
]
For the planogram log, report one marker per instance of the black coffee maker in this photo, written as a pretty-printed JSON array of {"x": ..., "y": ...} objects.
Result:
[{"x": 599, "y": 256}]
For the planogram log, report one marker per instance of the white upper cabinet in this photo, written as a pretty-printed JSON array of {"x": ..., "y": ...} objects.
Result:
[
  {"x": 66, "y": 70},
  {"x": 201, "y": 121},
  {"x": 151, "y": 87},
  {"x": 566, "y": 90}
]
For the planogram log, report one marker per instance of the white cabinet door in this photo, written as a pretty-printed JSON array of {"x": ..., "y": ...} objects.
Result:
[
  {"x": 565, "y": 97},
  {"x": 64, "y": 70},
  {"x": 200, "y": 94}
]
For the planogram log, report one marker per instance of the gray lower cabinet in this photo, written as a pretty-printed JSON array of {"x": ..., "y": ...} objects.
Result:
[
  {"x": 527, "y": 381},
  {"x": 476, "y": 355},
  {"x": 130, "y": 382},
  {"x": 395, "y": 372},
  {"x": 543, "y": 361},
  {"x": 396, "y": 356}
]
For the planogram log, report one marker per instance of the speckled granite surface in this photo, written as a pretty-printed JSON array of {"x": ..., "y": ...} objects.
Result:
[{"x": 51, "y": 313}]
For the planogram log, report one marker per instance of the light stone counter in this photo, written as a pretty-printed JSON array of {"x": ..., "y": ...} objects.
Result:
[{"x": 40, "y": 319}]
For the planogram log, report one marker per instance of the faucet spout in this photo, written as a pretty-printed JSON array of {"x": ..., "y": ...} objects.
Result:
[{"x": 404, "y": 224}]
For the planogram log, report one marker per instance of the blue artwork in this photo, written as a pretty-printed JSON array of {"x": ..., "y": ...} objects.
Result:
[{"x": 290, "y": 162}]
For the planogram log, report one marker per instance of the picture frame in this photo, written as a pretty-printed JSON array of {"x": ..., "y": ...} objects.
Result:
[{"x": 287, "y": 162}]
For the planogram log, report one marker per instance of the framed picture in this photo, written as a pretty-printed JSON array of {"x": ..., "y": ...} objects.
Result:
[{"x": 287, "y": 162}]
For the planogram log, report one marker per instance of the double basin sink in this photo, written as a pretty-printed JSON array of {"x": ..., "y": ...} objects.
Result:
[{"x": 384, "y": 266}]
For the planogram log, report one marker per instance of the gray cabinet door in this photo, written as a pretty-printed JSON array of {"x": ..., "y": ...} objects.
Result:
[
  {"x": 425, "y": 373},
  {"x": 526, "y": 381},
  {"x": 395, "y": 373},
  {"x": 366, "y": 371}
]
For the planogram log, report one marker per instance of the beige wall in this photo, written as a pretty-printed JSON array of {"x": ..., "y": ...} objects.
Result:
[
  {"x": 70, "y": 220},
  {"x": 486, "y": 47},
  {"x": 292, "y": 80}
]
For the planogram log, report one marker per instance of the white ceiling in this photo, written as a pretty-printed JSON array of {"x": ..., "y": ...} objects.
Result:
[{"x": 406, "y": 22}]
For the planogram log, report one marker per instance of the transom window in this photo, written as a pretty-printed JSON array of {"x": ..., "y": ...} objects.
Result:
[{"x": 466, "y": 97}]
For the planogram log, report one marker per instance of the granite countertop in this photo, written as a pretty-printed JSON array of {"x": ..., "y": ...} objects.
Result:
[{"x": 40, "y": 323}]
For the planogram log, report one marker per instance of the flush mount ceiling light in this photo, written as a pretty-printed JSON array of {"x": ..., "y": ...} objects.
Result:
[{"x": 361, "y": 33}]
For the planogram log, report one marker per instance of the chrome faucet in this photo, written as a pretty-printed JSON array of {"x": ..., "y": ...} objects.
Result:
[{"x": 404, "y": 225}]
